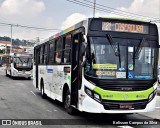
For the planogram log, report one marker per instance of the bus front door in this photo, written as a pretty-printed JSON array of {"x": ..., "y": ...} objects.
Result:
[
  {"x": 75, "y": 68},
  {"x": 37, "y": 53}
]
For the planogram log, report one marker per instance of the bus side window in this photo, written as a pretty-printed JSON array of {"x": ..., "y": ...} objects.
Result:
[
  {"x": 67, "y": 49},
  {"x": 58, "y": 53},
  {"x": 51, "y": 52},
  {"x": 45, "y": 54},
  {"x": 41, "y": 55}
]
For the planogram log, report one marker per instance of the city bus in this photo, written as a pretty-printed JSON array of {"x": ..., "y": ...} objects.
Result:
[
  {"x": 19, "y": 65},
  {"x": 100, "y": 65}
]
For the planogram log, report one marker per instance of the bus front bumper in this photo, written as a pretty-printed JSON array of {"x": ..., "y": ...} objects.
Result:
[
  {"x": 21, "y": 74},
  {"x": 92, "y": 106}
]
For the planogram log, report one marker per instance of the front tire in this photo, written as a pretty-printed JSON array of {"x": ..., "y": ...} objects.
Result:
[
  {"x": 11, "y": 75},
  {"x": 29, "y": 78},
  {"x": 70, "y": 110},
  {"x": 42, "y": 90},
  {"x": 6, "y": 73}
]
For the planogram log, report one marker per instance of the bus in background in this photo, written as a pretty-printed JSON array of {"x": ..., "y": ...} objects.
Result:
[
  {"x": 100, "y": 65},
  {"x": 19, "y": 65}
]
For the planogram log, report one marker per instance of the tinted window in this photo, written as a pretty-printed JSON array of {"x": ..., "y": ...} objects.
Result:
[
  {"x": 58, "y": 53},
  {"x": 51, "y": 52},
  {"x": 67, "y": 50}
]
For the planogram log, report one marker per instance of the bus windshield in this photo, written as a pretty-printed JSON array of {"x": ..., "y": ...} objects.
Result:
[
  {"x": 134, "y": 59},
  {"x": 23, "y": 62}
]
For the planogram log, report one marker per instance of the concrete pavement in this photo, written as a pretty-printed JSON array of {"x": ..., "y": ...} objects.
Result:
[{"x": 20, "y": 100}]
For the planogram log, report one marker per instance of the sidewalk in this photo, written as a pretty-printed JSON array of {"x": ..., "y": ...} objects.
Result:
[{"x": 156, "y": 113}]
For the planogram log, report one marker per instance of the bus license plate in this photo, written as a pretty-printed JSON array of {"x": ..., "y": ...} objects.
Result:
[{"x": 125, "y": 106}]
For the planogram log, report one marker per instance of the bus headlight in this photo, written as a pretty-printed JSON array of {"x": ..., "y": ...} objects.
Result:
[
  {"x": 152, "y": 95},
  {"x": 92, "y": 94},
  {"x": 97, "y": 97},
  {"x": 88, "y": 92}
]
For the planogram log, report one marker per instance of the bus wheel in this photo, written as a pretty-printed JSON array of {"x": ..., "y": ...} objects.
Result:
[
  {"x": 42, "y": 90},
  {"x": 11, "y": 75},
  {"x": 6, "y": 73},
  {"x": 70, "y": 110}
]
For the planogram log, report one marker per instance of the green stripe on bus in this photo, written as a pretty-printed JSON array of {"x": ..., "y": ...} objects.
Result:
[{"x": 123, "y": 95}]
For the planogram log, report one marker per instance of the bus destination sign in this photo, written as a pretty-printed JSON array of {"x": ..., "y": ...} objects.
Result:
[{"x": 124, "y": 27}]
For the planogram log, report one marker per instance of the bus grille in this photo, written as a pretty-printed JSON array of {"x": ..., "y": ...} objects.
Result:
[{"x": 125, "y": 87}]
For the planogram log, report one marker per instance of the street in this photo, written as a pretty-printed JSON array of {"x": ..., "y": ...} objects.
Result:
[{"x": 20, "y": 100}]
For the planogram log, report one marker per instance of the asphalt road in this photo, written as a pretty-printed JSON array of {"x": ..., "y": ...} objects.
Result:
[{"x": 20, "y": 100}]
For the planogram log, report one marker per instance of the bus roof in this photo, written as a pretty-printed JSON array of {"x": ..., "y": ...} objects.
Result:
[
  {"x": 84, "y": 23},
  {"x": 125, "y": 19}
]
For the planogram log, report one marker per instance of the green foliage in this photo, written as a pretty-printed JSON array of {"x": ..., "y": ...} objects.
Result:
[{"x": 1, "y": 51}]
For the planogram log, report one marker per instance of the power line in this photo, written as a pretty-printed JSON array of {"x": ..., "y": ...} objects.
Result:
[
  {"x": 108, "y": 10},
  {"x": 121, "y": 10},
  {"x": 30, "y": 27},
  {"x": 98, "y": 8}
]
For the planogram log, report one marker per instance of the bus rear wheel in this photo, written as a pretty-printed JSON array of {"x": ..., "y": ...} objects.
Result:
[{"x": 70, "y": 110}]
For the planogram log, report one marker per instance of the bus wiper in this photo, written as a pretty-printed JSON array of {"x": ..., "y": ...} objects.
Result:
[
  {"x": 115, "y": 47},
  {"x": 20, "y": 60},
  {"x": 138, "y": 51},
  {"x": 139, "y": 48}
]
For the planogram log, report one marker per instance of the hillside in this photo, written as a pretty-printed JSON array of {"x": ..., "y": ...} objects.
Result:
[{"x": 15, "y": 41}]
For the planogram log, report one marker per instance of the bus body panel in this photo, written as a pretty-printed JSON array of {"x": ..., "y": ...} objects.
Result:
[
  {"x": 54, "y": 78},
  {"x": 88, "y": 104},
  {"x": 92, "y": 106}
]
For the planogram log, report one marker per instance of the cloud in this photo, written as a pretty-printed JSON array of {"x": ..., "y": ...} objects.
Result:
[
  {"x": 72, "y": 19},
  {"x": 24, "y": 9},
  {"x": 23, "y": 12},
  {"x": 146, "y": 7},
  {"x": 149, "y": 8},
  {"x": 32, "y": 34}
]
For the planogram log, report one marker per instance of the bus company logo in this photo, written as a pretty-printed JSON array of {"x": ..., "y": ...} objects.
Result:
[
  {"x": 125, "y": 96},
  {"x": 6, "y": 122},
  {"x": 126, "y": 89}
]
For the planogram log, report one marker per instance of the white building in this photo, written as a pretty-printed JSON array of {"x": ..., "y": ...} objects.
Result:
[{"x": 4, "y": 44}]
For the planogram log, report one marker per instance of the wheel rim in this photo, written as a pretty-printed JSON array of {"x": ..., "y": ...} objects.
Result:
[
  {"x": 42, "y": 91},
  {"x": 68, "y": 99}
]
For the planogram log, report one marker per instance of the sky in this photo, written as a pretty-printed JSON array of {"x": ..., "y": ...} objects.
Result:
[{"x": 60, "y": 14}]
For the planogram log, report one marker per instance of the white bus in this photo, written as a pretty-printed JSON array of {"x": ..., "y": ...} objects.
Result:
[
  {"x": 100, "y": 65},
  {"x": 19, "y": 65}
]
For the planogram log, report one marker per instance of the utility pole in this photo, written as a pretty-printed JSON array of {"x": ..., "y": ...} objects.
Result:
[
  {"x": 11, "y": 40},
  {"x": 94, "y": 8}
]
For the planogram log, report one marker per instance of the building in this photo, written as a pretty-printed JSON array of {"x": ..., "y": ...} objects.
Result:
[{"x": 4, "y": 44}]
